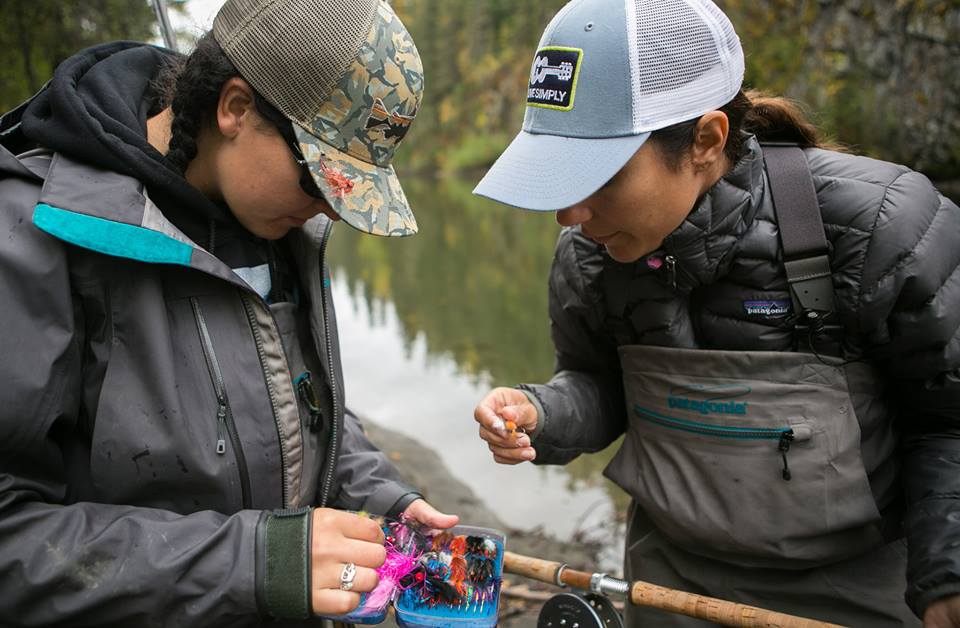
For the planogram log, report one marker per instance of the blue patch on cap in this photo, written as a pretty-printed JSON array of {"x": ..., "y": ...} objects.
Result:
[
  {"x": 768, "y": 308},
  {"x": 553, "y": 78}
]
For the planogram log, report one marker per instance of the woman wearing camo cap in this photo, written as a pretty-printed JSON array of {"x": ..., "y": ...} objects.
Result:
[
  {"x": 172, "y": 426},
  {"x": 775, "y": 329}
]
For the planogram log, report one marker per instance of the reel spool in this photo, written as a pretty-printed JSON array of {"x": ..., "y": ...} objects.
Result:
[{"x": 579, "y": 610}]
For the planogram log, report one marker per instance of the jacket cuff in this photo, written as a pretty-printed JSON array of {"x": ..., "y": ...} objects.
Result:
[
  {"x": 388, "y": 497},
  {"x": 283, "y": 584},
  {"x": 531, "y": 394},
  {"x": 919, "y": 602},
  {"x": 401, "y": 504}
]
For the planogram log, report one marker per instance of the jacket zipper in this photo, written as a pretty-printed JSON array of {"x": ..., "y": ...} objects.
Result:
[
  {"x": 258, "y": 340},
  {"x": 225, "y": 423},
  {"x": 783, "y": 435},
  {"x": 670, "y": 263},
  {"x": 332, "y": 457},
  {"x": 672, "y": 266}
]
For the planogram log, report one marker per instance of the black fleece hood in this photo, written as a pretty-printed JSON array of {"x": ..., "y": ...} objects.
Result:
[{"x": 95, "y": 109}]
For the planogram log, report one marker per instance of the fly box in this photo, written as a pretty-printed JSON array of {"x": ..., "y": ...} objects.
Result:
[{"x": 436, "y": 578}]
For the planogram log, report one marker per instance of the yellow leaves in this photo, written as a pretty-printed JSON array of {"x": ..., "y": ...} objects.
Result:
[
  {"x": 448, "y": 111},
  {"x": 451, "y": 235}
]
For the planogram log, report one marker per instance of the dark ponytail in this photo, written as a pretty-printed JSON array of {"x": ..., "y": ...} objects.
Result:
[
  {"x": 191, "y": 87},
  {"x": 778, "y": 119},
  {"x": 770, "y": 118}
]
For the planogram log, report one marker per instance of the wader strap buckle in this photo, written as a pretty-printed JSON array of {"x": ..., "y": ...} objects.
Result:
[
  {"x": 805, "y": 249},
  {"x": 811, "y": 286}
]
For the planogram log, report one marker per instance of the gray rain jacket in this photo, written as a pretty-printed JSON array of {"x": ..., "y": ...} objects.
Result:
[
  {"x": 151, "y": 415},
  {"x": 895, "y": 255}
]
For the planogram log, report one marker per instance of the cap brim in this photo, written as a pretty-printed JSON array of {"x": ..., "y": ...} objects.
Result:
[
  {"x": 366, "y": 196},
  {"x": 550, "y": 172}
]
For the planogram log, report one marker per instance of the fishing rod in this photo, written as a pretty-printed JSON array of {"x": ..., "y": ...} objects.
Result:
[
  {"x": 641, "y": 593},
  {"x": 166, "y": 30}
]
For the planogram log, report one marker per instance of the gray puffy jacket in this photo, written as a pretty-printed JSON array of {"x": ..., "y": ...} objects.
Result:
[
  {"x": 895, "y": 255},
  {"x": 154, "y": 415}
]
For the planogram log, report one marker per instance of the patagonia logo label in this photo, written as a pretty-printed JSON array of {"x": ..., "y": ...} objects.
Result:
[
  {"x": 767, "y": 308},
  {"x": 553, "y": 78},
  {"x": 718, "y": 399}
]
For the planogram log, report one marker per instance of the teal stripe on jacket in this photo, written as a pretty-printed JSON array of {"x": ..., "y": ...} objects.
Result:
[{"x": 111, "y": 238}]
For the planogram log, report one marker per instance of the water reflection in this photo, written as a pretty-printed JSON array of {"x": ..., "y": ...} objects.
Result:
[{"x": 428, "y": 324}]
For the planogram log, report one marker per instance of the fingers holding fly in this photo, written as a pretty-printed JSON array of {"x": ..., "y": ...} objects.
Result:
[
  {"x": 512, "y": 455},
  {"x": 487, "y": 416},
  {"x": 505, "y": 441},
  {"x": 489, "y": 411}
]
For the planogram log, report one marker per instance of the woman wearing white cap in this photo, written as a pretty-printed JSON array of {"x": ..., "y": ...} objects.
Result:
[
  {"x": 775, "y": 329},
  {"x": 173, "y": 436}
]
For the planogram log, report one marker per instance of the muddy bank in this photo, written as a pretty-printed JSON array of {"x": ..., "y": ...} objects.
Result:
[{"x": 422, "y": 467}]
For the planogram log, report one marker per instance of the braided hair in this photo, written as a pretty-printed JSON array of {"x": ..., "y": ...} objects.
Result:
[{"x": 191, "y": 87}]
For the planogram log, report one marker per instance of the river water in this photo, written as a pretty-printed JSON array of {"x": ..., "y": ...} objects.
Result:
[{"x": 428, "y": 324}]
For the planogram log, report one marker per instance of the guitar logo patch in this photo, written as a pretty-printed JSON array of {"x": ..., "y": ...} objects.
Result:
[{"x": 553, "y": 78}]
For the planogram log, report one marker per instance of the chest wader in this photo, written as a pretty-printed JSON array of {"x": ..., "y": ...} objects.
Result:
[{"x": 745, "y": 467}]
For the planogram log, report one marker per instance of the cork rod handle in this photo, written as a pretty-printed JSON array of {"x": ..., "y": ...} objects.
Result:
[
  {"x": 670, "y": 600},
  {"x": 718, "y": 611}
]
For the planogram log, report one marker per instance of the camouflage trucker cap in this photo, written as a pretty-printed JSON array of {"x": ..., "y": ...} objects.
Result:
[{"x": 347, "y": 74}]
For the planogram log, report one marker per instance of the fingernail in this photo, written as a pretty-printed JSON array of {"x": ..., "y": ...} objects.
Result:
[
  {"x": 529, "y": 454},
  {"x": 499, "y": 426},
  {"x": 523, "y": 441}
]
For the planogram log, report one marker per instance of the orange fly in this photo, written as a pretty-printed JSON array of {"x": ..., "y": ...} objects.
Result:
[{"x": 341, "y": 184}]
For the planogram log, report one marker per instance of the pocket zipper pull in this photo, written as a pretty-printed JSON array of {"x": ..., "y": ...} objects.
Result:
[
  {"x": 221, "y": 424},
  {"x": 309, "y": 395},
  {"x": 784, "y": 446}
]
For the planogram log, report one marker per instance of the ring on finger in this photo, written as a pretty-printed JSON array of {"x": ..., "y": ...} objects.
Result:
[{"x": 347, "y": 575}]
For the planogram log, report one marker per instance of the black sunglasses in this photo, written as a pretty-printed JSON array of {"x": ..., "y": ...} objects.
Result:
[{"x": 306, "y": 179}]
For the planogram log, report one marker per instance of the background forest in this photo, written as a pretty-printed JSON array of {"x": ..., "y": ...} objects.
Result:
[{"x": 879, "y": 75}]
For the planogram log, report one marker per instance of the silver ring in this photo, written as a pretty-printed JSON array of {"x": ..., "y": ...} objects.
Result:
[{"x": 347, "y": 574}]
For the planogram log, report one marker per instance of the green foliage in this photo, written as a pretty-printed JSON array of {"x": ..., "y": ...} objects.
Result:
[
  {"x": 475, "y": 151},
  {"x": 36, "y": 35},
  {"x": 476, "y": 58},
  {"x": 878, "y": 76}
]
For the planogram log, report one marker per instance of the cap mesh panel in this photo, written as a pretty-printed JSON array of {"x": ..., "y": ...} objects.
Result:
[
  {"x": 688, "y": 61},
  {"x": 293, "y": 51}
]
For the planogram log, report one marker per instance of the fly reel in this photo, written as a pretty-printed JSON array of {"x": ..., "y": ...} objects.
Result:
[{"x": 579, "y": 610}]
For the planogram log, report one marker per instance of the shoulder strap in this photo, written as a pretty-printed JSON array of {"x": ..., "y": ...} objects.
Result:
[{"x": 801, "y": 229}]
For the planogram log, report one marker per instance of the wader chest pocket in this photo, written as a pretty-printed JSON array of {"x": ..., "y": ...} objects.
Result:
[
  {"x": 748, "y": 457},
  {"x": 779, "y": 437}
]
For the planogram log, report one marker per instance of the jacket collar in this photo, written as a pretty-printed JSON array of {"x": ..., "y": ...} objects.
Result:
[
  {"x": 112, "y": 214},
  {"x": 703, "y": 243}
]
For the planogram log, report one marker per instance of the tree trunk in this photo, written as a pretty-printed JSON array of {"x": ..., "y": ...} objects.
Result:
[{"x": 23, "y": 38}]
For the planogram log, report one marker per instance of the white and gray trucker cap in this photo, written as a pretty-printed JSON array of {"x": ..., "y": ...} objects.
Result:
[{"x": 606, "y": 74}]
